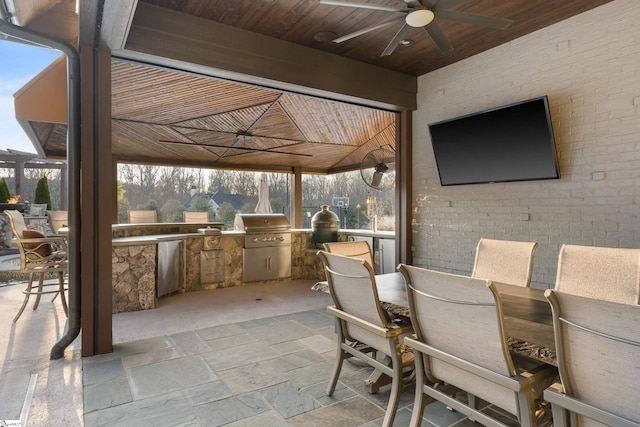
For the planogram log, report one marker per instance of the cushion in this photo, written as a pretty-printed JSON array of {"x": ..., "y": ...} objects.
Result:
[{"x": 42, "y": 249}]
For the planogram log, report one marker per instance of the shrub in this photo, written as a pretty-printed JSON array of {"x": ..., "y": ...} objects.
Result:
[
  {"x": 4, "y": 191},
  {"x": 43, "y": 194}
]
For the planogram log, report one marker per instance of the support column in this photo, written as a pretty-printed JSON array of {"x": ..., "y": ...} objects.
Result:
[
  {"x": 296, "y": 199},
  {"x": 96, "y": 200},
  {"x": 404, "y": 191},
  {"x": 64, "y": 193},
  {"x": 19, "y": 171}
]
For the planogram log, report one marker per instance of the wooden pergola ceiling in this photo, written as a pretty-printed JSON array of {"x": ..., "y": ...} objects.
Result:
[{"x": 173, "y": 117}]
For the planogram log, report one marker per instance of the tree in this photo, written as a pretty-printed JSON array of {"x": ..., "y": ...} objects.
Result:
[
  {"x": 123, "y": 210},
  {"x": 200, "y": 203},
  {"x": 42, "y": 194},
  {"x": 172, "y": 211},
  {"x": 226, "y": 214},
  {"x": 120, "y": 191},
  {"x": 4, "y": 191}
]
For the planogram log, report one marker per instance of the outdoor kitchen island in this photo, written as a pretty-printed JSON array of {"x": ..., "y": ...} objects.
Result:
[{"x": 136, "y": 250}]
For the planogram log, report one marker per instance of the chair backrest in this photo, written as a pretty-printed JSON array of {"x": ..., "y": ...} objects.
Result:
[
  {"x": 38, "y": 209},
  {"x": 58, "y": 219},
  {"x": 137, "y": 217},
  {"x": 462, "y": 317},
  {"x": 195, "y": 216},
  {"x": 353, "y": 287},
  {"x": 504, "y": 261},
  {"x": 610, "y": 274},
  {"x": 359, "y": 249},
  {"x": 16, "y": 220},
  {"x": 459, "y": 315},
  {"x": 598, "y": 349}
]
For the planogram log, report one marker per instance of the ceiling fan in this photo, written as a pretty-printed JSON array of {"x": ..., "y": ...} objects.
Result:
[{"x": 420, "y": 13}]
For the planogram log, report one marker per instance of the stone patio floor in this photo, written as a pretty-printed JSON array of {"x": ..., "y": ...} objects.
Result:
[{"x": 254, "y": 355}]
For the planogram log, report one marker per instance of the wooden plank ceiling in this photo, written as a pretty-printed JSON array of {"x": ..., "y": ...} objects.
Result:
[{"x": 309, "y": 23}]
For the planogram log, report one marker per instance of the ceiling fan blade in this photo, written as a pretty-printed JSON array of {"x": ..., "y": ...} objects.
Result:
[
  {"x": 416, "y": 4},
  {"x": 429, "y": 4},
  {"x": 445, "y": 4},
  {"x": 367, "y": 29},
  {"x": 438, "y": 37},
  {"x": 482, "y": 21},
  {"x": 393, "y": 44},
  {"x": 363, "y": 5}
]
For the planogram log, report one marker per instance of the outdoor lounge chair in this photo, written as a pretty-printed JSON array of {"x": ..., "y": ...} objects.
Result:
[
  {"x": 610, "y": 274},
  {"x": 598, "y": 348},
  {"x": 195, "y": 216},
  {"x": 504, "y": 261},
  {"x": 42, "y": 256},
  {"x": 363, "y": 327},
  {"x": 57, "y": 220},
  {"x": 460, "y": 343},
  {"x": 141, "y": 217}
]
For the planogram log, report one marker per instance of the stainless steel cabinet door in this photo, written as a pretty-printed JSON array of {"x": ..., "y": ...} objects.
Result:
[{"x": 266, "y": 263}]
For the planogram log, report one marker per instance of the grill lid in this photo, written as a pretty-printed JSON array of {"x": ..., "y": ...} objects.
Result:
[{"x": 261, "y": 222}]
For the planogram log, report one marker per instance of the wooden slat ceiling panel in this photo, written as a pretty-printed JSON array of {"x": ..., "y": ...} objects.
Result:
[
  {"x": 385, "y": 139},
  {"x": 333, "y": 122},
  {"x": 277, "y": 123},
  {"x": 321, "y": 156},
  {"x": 207, "y": 137},
  {"x": 56, "y": 142},
  {"x": 159, "y": 96},
  {"x": 233, "y": 122},
  {"x": 193, "y": 119},
  {"x": 134, "y": 139}
]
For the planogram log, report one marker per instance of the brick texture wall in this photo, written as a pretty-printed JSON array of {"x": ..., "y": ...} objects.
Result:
[{"x": 589, "y": 67}]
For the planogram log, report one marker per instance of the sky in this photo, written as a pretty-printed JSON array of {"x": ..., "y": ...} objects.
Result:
[{"x": 19, "y": 64}]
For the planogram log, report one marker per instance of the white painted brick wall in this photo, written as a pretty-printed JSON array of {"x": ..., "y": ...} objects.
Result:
[{"x": 589, "y": 67}]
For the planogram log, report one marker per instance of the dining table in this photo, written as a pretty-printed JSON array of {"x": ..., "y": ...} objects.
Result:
[{"x": 526, "y": 312}]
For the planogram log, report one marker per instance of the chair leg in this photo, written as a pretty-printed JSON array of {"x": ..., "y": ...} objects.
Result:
[
  {"x": 340, "y": 356},
  {"x": 39, "y": 294},
  {"x": 418, "y": 402},
  {"x": 396, "y": 389},
  {"x": 63, "y": 299},
  {"x": 27, "y": 294}
]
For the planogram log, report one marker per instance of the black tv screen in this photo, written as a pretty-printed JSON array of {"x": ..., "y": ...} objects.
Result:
[{"x": 510, "y": 143}]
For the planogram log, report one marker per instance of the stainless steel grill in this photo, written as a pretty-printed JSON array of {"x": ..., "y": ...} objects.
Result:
[{"x": 267, "y": 246}]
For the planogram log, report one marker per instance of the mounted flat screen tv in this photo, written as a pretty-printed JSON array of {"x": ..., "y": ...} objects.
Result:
[{"x": 510, "y": 143}]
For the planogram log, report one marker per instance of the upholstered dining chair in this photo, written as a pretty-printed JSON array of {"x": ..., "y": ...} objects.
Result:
[
  {"x": 356, "y": 249},
  {"x": 41, "y": 256},
  {"x": 195, "y": 216},
  {"x": 363, "y": 327},
  {"x": 598, "y": 350},
  {"x": 504, "y": 261},
  {"x": 140, "y": 217},
  {"x": 460, "y": 342},
  {"x": 610, "y": 274}
]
